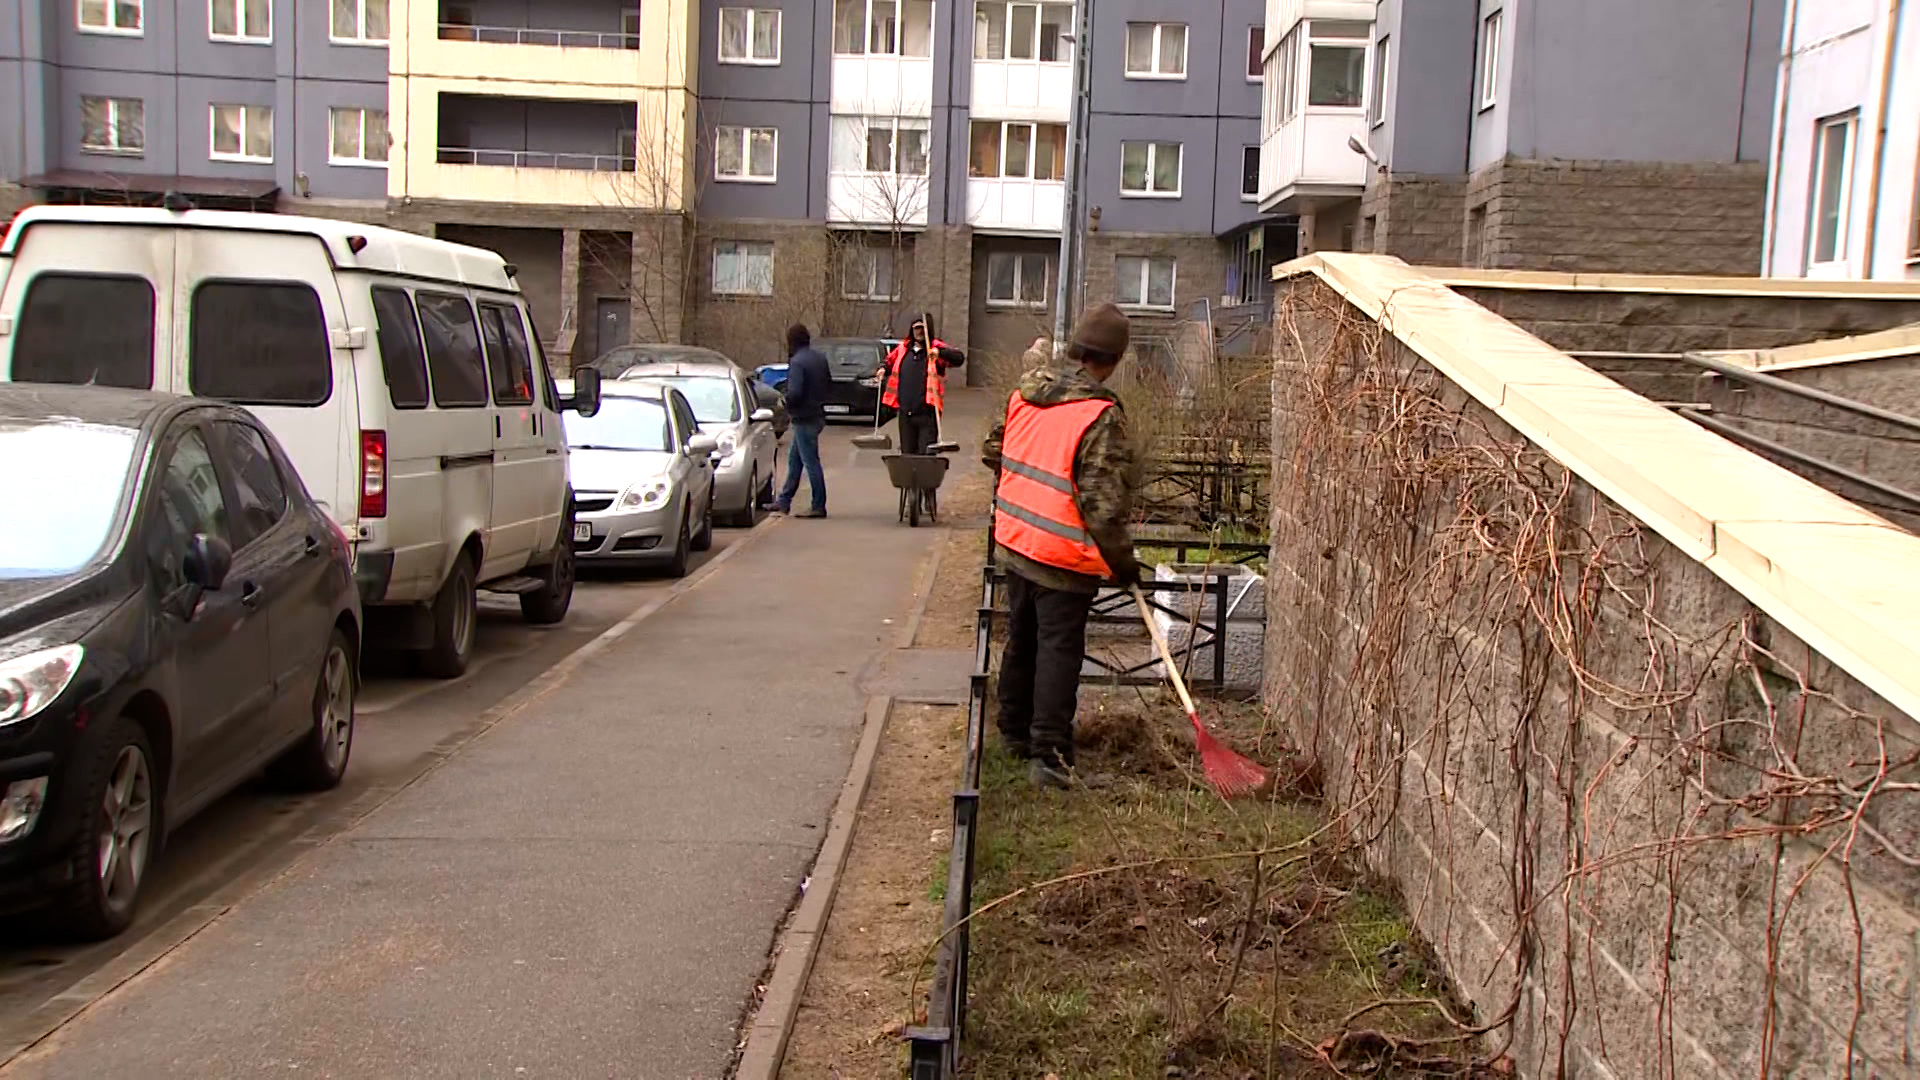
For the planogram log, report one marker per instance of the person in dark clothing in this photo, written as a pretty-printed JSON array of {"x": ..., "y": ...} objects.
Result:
[
  {"x": 915, "y": 384},
  {"x": 1068, "y": 475},
  {"x": 808, "y": 383}
]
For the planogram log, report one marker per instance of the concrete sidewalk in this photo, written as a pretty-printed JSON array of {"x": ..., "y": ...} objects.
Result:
[{"x": 589, "y": 889}]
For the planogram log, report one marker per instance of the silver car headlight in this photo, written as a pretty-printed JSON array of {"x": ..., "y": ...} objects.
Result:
[
  {"x": 647, "y": 495},
  {"x": 729, "y": 441},
  {"x": 29, "y": 683}
]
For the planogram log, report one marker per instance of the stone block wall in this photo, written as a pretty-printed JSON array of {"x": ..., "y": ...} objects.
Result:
[
  {"x": 1617, "y": 217},
  {"x": 1670, "y": 320},
  {"x": 1418, "y": 219},
  {"x": 1647, "y": 831},
  {"x": 752, "y": 329}
]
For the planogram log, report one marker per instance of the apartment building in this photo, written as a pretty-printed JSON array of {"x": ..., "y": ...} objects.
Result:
[
  {"x": 1843, "y": 198},
  {"x": 1535, "y": 134},
  {"x": 231, "y": 102}
]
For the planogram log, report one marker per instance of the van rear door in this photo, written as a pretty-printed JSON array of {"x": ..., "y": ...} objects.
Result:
[
  {"x": 83, "y": 303},
  {"x": 258, "y": 321}
]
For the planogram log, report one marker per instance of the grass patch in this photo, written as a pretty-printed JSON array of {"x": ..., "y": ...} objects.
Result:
[{"x": 1180, "y": 966}]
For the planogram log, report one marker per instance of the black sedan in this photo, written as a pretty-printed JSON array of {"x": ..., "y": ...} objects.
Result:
[
  {"x": 854, "y": 364},
  {"x": 175, "y": 615}
]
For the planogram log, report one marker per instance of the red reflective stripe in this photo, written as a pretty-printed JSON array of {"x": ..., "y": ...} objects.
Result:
[{"x": 1046, "y": 439}]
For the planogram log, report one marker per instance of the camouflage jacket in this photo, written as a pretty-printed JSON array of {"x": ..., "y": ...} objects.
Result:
[{"x": 1106, "y": 474}]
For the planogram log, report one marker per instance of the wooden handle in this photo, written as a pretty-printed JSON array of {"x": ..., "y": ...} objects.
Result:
[{"x": 1166, "y": 655}]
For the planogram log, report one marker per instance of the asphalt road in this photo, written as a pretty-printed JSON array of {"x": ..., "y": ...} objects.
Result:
[{"x": 247, "y": 837}]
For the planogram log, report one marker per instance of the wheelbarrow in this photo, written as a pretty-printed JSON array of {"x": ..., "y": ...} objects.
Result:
[{"x": 917, "y": 477}]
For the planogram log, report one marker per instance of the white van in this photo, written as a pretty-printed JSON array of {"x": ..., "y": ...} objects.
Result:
[{"x": 403, "y": 375}]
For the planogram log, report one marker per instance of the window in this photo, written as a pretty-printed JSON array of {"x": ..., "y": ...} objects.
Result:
[
  {"x": 869, "y": 273},
  {"x": 112, "y": 16},
  {"x": 1017, "y": 151},
  {"x": 745, "y": 154},
  {"x": 1256, "y": 52},
  {"x": 1286, "y": 86},
  {"x": 359, "y": 137},
  {"x": 188, "y": 502},
  {"x": 401, "y": 356},
  {"x": 749, "y": 35},
  {"x": 359, "y": 22},
  {"x": 883, "y": 28},
  {"x": 507, "y": 358},
  {"x": 1249, "y": 172},
  {"x": 453, "y": 351},
  {"x": 1150, "y": 168},
  {"x": 1143, "y": 282},
  {"x": 1490, "y": 60},
  {"x": 742, "y": 268},
  {"x": 1337, "y": 64},
  {"x": 1832, "y": 181},
  {"x": 242, "y": 133},
  {"x": 1156, "y": 50},
  {"x": 630, "y": 29},
  {"x": 1377, "y": 96},
  {"x": 259, "y": 492},
  {"x": 1017, "y": 279},
  {"x": 240, "y": 20},
  {"x": 1003, "y": 31},
  {"x": 259, "y": 343},
  {"x": 81, "y": 329},
  {"x": 113, "y": 125},
  {"x": 880, "y": 145}
]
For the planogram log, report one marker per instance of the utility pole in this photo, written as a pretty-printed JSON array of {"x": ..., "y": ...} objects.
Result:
[{"x": 1072, "y": 248}]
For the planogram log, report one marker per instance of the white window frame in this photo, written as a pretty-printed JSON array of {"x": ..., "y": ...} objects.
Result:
[
  {"x": 1245, "y": 195},
  {"x": 1019, "y": 259},
  {"x": 744, "y": 133},
  {"x": 754, "y": 16},
  {"x": 240, "y": 35},
  {"x": 869, "y": 257},
  {"x": 739, "y": 249},
  {"x": 1153, "y": 156},
  {"x": 1154, "y": 73},
  {"x": 1146, "y": 282},
  {"x": 360, "y": 22},
  {"x": 1490, "y": 29},
  {"x": 114, "y": 105},
  {"x": 1290, "y": 91},
  {"x": 894, "y": 124},
  {"x": 866, "y": 28},
  {"x": 1257, "y": 73},
  {"x": 247, "y": 113},
  {"x": 1817, "y": 191},
  {"x": 1064, "y": 55},
  {"x": 363, "y": 161},
  {"x": 110, "y": 9},
  {"x": 1033, "y": 149},
  {"x": 1377, "y": 82}
]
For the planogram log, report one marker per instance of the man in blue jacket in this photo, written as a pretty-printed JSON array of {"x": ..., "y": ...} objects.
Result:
[{"x": 808, "y": 383}]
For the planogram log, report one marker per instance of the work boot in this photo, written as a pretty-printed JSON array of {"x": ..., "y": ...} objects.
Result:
[
  {"x": 1042, "y": 775},
  {"x": 1017, "y": 749},
  {"x": 811, "y": 514}
]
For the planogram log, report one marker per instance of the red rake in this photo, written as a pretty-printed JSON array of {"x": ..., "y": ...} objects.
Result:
[{"x": 1228, "y": 772}]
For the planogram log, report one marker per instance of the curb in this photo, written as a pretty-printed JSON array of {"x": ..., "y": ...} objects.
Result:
[
  {"x": 764, "y": 1047},
  {"x": 278, "y": 852}
]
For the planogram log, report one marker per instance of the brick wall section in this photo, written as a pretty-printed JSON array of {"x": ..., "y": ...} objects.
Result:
[
  {"x": 1549, "y": 833},
  {"x": 1419, "y": 219},
  {"x": 1201, "y": 273},
  {"x": 1001, "y": 334},
  {"x": 1620, "y": 217},
  {"x": 1618, "y": 321},
  {"x": 752, "y": 329}
]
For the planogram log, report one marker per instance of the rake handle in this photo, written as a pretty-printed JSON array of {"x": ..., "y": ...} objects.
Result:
[{"x": 1166, "y": 654}]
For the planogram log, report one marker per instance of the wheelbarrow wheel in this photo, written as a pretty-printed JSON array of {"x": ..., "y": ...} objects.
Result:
[
  {"x": 904, "y": 493},
  {"x": 913, "y": 510}
]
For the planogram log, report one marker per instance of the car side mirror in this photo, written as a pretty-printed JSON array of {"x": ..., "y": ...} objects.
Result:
[
  {"x": 702, "y": 446},
  {"x": 762, "y": 416},
  {"x": 586, "y": 391},
  {"x": 208, "y": 561}
]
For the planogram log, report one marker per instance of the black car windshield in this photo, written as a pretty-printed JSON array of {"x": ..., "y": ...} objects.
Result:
[
  {"x": 853, "y": 361},
  {"x": 712, "y": 396},
  {"x": 623, "y": 423},
  {"x": 62, "y": 483}
]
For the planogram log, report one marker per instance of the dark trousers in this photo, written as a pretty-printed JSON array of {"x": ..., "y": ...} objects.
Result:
[
  {"x": 918, "y": 432},
  {"x": 1040, "y": 670},
  {"x": 804, "y": 455}
]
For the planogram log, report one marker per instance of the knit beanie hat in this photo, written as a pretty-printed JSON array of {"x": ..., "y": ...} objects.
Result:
[{"x": 1104, "y": 329}]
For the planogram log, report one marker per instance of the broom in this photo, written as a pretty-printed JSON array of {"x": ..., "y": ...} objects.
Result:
[{"x": 1228, "y": 772}]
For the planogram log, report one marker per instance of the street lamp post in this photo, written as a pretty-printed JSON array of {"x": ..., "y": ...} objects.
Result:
[{"x": 1072, "y": 242}]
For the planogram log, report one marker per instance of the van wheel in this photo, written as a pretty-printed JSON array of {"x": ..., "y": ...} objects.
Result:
[
  {"x": 318, "y": 761},
  {"x": 118, "y": 834},
  {"x": 548, "y": 604},
  {"x": 455, "y": 612}
]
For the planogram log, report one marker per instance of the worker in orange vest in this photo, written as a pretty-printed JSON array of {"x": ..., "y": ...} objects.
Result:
[
  {"x": 914, "y": 378},
  {"x": 1068, "y": 476}
]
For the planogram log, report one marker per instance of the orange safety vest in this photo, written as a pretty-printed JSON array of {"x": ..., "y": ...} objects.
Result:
[
  {"x": 1034, "y": 513},
  {"x": 936, "y": 376}
]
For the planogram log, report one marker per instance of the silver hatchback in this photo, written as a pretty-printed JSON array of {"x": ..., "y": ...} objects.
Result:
[
  {"x": 642, "y": 478},
  {"x": 725, "y": 404}
]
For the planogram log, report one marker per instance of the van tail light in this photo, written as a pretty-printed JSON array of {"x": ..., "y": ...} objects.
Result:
[{"x": 373, "y": 474}]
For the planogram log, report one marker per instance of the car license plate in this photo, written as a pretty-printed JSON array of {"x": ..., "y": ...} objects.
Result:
[
  {"x": 839, "y": 409},
  {"x": 582, "y": 532}
]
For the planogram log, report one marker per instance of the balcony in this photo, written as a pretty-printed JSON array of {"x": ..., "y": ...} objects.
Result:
[
  {"x": 877, "y": 171},
  {"x": 536, "y": 151},
  {"x": 593, "y": 43},
  {"x": 883, "y": 57},
  {"x": 1314, "y": 101},
  {"x": 1022, "y": 60},
  {"x": 1016, "y": 176}
]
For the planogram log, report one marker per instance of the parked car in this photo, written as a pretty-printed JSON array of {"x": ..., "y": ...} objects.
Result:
[
  {"x": 403, "y": 374},
  {"x": 642, "y": 477},
  {"x": 615, "y": 361},
  {"x": 176, "y": 612},
  {"x": 728, "y": 408},
  {"x": 853, "y": 363}
]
